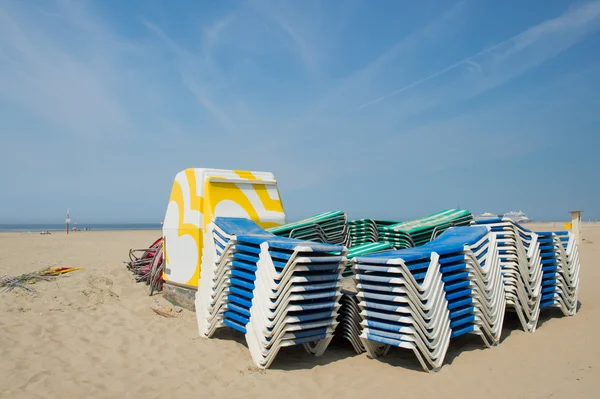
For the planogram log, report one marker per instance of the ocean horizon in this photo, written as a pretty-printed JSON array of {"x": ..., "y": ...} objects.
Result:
[{"x": 36, "y": 227}]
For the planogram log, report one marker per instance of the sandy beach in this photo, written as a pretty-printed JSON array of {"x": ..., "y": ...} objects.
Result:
[{"x": 93, "y": 334}]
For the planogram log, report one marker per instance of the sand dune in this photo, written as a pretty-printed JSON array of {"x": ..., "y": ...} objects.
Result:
[{"x": 93, "y": 334}]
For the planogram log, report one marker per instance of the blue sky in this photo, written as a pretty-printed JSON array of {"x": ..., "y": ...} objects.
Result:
[{"x": 387, "y": 109}]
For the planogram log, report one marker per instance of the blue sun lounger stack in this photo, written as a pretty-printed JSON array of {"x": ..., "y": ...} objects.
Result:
[
  {"x": 419, "y": 298},
  {"x": 540, "y": 269},
  {"x": 349, "y": 313},
  {"x": 221, "y": 270},
  {"x": 520, "y": 259},
  {"x": 560, "y": 266},
  {"x": 277, "y": 291}
]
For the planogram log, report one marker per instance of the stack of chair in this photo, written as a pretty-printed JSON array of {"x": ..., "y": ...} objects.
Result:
[
  {"x": 420, "y": 231},
  {"x": 399, "y": 238},
  {"x": 420, "y": 298},
  {"x": 349, "y": 313},
  {"x": 278, "y": 291},
  {"x": 520, "y": 260},
  {"x": 560, "y": 266},
  {"x": 364, "y": 231},
  {"x": 224, "y": 270},
  {"x": 349, "y": 319},
  {"x": 540, "y": 269},
  {"x": 329, "y": 228}
]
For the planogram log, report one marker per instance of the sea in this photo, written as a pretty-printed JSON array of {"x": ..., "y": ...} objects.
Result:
[{"x": 79, "y": 226}]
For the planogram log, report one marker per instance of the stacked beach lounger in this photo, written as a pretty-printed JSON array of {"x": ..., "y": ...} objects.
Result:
[
  {"x": 560, "y": 271},
  {"x": 365, "y": 231},
  {"x": 277, "y": 291},
  {"x": 520, "y": 260},
  {"x": 349, "y": 317},
  {"x": 420, "y": 231},
  {"x": 349, "y": 313},
  {"x": 329, "y": 228},
  {"x": 540, "y": 269},
  {"x": 281, "y": 291},
  {"x": 420, "y": 298},
  {"x": 398, "y": 236}
]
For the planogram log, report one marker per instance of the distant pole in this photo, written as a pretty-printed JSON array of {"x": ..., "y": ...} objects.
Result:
[
  {"x": 68, "y": 220},
  {"x": 576, "y": 226}
]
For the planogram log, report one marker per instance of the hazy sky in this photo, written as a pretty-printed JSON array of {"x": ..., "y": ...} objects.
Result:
[{"x": 392, "y": 109}]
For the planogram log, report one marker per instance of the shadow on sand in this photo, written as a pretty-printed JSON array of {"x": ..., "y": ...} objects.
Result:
[{"x": 296, "y": 358}]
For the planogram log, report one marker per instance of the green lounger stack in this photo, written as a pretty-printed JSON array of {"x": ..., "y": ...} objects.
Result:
[
  {"x": 420, "y": 231},
  {"x": 365, "y": 231},
  {"x": 329, "y": 228}
]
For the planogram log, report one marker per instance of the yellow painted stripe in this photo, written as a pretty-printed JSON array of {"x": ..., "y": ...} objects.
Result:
[
  {"x": 183, "y": 228},
  {"x": 269, "y": 203},
  {"x": 245, "y": 174}
]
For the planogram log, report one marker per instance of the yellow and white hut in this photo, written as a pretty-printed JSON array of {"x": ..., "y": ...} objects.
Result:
[{"x": 199, "y": 195}]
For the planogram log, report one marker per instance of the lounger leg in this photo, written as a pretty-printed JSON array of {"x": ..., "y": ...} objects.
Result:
[
  {"x": 373, "y": 349},
  {"x": 319, "y": 347}
]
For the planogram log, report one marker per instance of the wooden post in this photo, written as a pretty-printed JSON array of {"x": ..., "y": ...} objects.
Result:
[{"x": 576, "y": 225}]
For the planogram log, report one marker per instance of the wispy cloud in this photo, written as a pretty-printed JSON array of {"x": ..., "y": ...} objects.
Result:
[
  {"x": 213, "y": 33},
  {"x": 197, "y": 70},
  {"x": 307, "y": 54},
  {"x": 287, "y": 22},
  {"x": 201, "y": 93},
  {"x": 62, "y": 83},
  {"x": 522, "y": 51},
  {"x": 376, "y": 73}
]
